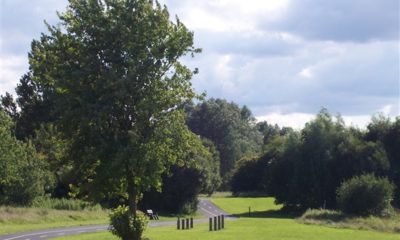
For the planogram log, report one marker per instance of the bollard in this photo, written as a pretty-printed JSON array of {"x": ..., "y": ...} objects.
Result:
[
  {"x": 210, "y": 220},
  {"x": 187, "y": 223},
  {"x": 178, "y": 224},
  {"x": 219, "y": 222},
  {"x": 191, "y": 222},
  {"x": 223, "y": 221},
  {"x": 183, "y": 223},
  {"x": 215, "y": 223},
  {"x": 249, "y": 211}
]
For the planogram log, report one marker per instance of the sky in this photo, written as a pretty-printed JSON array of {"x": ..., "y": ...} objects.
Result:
[{"x": 284, "y": 59}]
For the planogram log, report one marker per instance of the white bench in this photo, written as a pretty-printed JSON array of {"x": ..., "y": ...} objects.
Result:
[{"x": 151, "y": 214}]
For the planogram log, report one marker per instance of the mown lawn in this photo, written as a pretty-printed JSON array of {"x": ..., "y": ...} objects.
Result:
[{"x": 265, "y": 222}]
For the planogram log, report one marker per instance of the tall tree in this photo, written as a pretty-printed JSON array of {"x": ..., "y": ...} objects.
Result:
[
  {"x": 231, "y": 128},
  {"x": 387, "y": 133},
  {"x": 118, "y": 89}
]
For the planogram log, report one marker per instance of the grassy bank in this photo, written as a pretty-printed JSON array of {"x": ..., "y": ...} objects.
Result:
[
  {"x": 18, "y": 219},
  {"x": 339, "y": 220}
]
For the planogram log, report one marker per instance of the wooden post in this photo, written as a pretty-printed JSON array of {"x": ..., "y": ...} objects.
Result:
[
  {"x": 249, "y": 211},
  {"x": 187, "y": 223},
  {"x": 178, "y": 224},
  {"x": 191, "y": 222},
  {"x": 219, "y": 222},
  {"x": 183, "y": 223},
  {"x": 223, "y": 221},
  {"x": 215, "y": 223},
  {"x": 210, "y": 221}
]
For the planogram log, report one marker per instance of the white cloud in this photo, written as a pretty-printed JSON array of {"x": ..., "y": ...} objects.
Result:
[
  {"x": 298, "y": 120},
  {"x": 294, "y": 120},
  {"x": 12, "y": 67},
  {"x": 306, "y": 73},
  {"x": 252, "y": 56},
  {"x": 226, "y": 15},
  {"x": 387, "y": 109}
]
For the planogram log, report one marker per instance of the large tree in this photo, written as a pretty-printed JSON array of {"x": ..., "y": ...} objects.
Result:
[
  {"x": 231, "y": 128},
  {"x": 113, "y": 72}
]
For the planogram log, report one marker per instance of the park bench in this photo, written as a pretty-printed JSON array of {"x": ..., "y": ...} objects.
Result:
[{"x": 152, "y": 215}]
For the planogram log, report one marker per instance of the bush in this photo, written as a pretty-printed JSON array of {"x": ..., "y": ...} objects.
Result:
[
  {"x": 125, "y": 225},
  {"x": 365, "y": 195}
]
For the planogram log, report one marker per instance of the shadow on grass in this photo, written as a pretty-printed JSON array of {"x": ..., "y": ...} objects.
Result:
[{"x": 281, "y": 213}]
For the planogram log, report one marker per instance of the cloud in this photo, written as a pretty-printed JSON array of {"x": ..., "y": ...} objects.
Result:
[
  {"x": 298, "y": 120},
  {"x": 344, "y": 77},
  {"x": 341, "y": 20},
  {"x": 286, "y": 57},
  {"x": 11, "y": 68}
]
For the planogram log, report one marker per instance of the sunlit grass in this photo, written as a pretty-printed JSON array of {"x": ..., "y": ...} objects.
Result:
[{"x": 266, "y": 221}]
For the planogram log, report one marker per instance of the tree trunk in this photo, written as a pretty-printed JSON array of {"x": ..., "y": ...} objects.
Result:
[
  {"x": 132, "y": 204},
  {"x": 132, "y": 196}
]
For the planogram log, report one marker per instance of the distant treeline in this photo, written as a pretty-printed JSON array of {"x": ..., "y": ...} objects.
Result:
[
  {"x": 300, "y": 168},
  {"x": 305, "y": 168}
]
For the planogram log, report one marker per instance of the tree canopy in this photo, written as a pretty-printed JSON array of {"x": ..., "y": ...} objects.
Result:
[
  {"x": 112, "y": 71},
  {"x": 230, "y": 127}
]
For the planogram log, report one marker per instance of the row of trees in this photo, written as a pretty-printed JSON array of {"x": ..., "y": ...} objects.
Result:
[{"x": 305, "y": 168}]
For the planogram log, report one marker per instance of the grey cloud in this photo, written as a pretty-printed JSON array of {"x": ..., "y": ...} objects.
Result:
[
  {"x": 262, "y": 44},
  {"x": 358, "y": 80},
  {"x": 342, "y": 20}
]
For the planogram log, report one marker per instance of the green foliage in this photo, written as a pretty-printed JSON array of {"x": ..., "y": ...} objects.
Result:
[
  {"x": 231, "y": 128},
  {"x": 312, "y": 164},
  {"x": 126, "y": 225},
  {"x": 22, "y": 174},
  {"x": 249, "y": 176},
  {"x": 52, "y": 149},
  {"x": 181, "y": 188},
  {"x": 365, "y": 195},
  {"x": 111, "y": 70},
  {"x": 387, "y": 133}
]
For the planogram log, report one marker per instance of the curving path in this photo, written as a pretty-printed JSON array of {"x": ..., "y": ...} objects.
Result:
[{"x": 206, "y": 207}]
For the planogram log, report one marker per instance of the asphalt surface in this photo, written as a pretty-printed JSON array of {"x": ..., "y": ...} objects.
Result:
[{"x": 206, "y": 207}]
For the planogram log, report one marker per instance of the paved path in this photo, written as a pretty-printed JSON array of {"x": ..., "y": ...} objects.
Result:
[{"x": 206, "y": 207}]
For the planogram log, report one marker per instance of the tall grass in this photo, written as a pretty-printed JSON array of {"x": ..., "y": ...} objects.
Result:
[
  {"x": 65, "y": 204},
  {"x": 331, "y": 218}
]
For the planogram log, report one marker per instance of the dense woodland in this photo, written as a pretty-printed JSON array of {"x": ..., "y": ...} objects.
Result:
[{"x": 302, "y": 168}]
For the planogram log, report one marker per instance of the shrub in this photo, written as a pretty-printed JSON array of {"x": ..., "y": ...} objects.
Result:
[
  {"x": 125, "y": 225},
  {"x": 365, "y": 195}
]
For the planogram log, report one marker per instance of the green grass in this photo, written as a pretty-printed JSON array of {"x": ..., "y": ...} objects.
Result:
[
  {"x": 17, "y": 219},
  {"x": 265, "y": 222}
]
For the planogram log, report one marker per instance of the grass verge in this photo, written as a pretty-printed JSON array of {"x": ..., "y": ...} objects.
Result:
[
  {"x": 17, "y": 219},
  {"x": 340, "y": 220}
]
